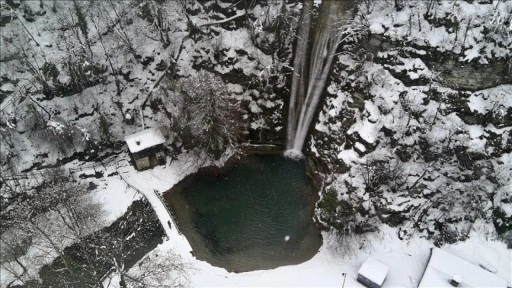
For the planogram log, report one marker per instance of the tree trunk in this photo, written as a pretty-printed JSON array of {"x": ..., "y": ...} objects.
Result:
[{"x": 54, "y": 245}]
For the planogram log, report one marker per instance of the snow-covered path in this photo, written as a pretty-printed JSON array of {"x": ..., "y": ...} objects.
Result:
[
  {"x": 163, "y": 214},
  {"x": 151, "y": 183}
]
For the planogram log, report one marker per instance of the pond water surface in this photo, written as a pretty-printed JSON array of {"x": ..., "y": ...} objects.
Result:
[{"x": 256, "y": 214}]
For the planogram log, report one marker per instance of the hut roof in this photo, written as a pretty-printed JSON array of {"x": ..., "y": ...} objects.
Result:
[
  {"x": 443, "y": 266},
  {"x": 144, "y": 139}
]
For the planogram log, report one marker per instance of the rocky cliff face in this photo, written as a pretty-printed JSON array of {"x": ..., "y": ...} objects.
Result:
[{"x": 415, "y": 131}]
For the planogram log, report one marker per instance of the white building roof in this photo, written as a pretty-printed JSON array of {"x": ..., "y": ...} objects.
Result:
[
  {"x": 374, "y": 271},
  {"x": 144, "y": 139},
  {"x": 443, "y": 266}
]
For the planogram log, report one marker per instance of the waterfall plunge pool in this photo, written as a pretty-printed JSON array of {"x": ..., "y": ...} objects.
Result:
[{"x": 252, "y": 215}]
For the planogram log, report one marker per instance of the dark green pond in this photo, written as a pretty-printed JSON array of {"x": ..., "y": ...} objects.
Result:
[{"x": 256, "y": 214}]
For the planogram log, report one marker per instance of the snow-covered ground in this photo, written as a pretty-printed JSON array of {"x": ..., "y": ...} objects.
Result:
[
  {"x": 457, "y": 26},
  {"x": 406, "y": 259},
  {"x": 446, "y": 26}
]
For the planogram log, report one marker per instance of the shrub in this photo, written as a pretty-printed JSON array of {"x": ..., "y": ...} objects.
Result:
[{"x": 329, "y": 202}]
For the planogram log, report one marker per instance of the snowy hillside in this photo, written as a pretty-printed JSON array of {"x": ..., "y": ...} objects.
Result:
[
  {"x": 408, "y": 146},
  {"x": 411, "y": 141}
]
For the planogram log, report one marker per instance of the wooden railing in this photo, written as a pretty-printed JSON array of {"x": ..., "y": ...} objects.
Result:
[{"x": 168, "y": 210}]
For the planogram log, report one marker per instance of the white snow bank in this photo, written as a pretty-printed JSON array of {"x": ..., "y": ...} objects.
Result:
[
  {"x": 326, "y": 267},
  {"x": 348, "y": 156},
  {"x": 116, "y": 198},
  {"x": 366, "y": 129}
]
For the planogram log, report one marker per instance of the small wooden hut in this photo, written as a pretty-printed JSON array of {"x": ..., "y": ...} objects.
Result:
[{"x": 146, "y": 148}]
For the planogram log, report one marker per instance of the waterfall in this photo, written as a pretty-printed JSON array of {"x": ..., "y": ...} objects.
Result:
[
  {"x": 308, "y": 82},
  {"x": 298, "y": 88}
]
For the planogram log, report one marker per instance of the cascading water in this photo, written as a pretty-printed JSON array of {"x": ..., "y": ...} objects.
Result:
[
  {"x": 298, "y": 88},
  {"x": 308, "y": 81}
]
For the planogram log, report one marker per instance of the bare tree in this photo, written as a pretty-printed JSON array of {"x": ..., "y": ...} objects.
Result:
[
  {"x": 115, "y": 69},
  {"x": 160, "y": 27},
  {"x": 114, "y": 253},
  {"x": 43, "y": 74},
  {"x": 74, "y": 19},
  {"x": 118, "y": 23},
  {"x": 13, "y": 246},
  {"x": 55, "y": 215},
  {"x": 159, "y": 269}
]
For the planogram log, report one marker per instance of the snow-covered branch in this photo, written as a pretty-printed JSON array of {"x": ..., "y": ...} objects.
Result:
[{"x": 238, "y": 14}]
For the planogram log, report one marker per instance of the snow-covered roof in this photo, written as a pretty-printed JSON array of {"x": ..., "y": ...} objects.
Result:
[
  {"x": 374, "y": 271},
  {"x": 144, "y": 139},
  {"x": 443, "y": 266}
]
